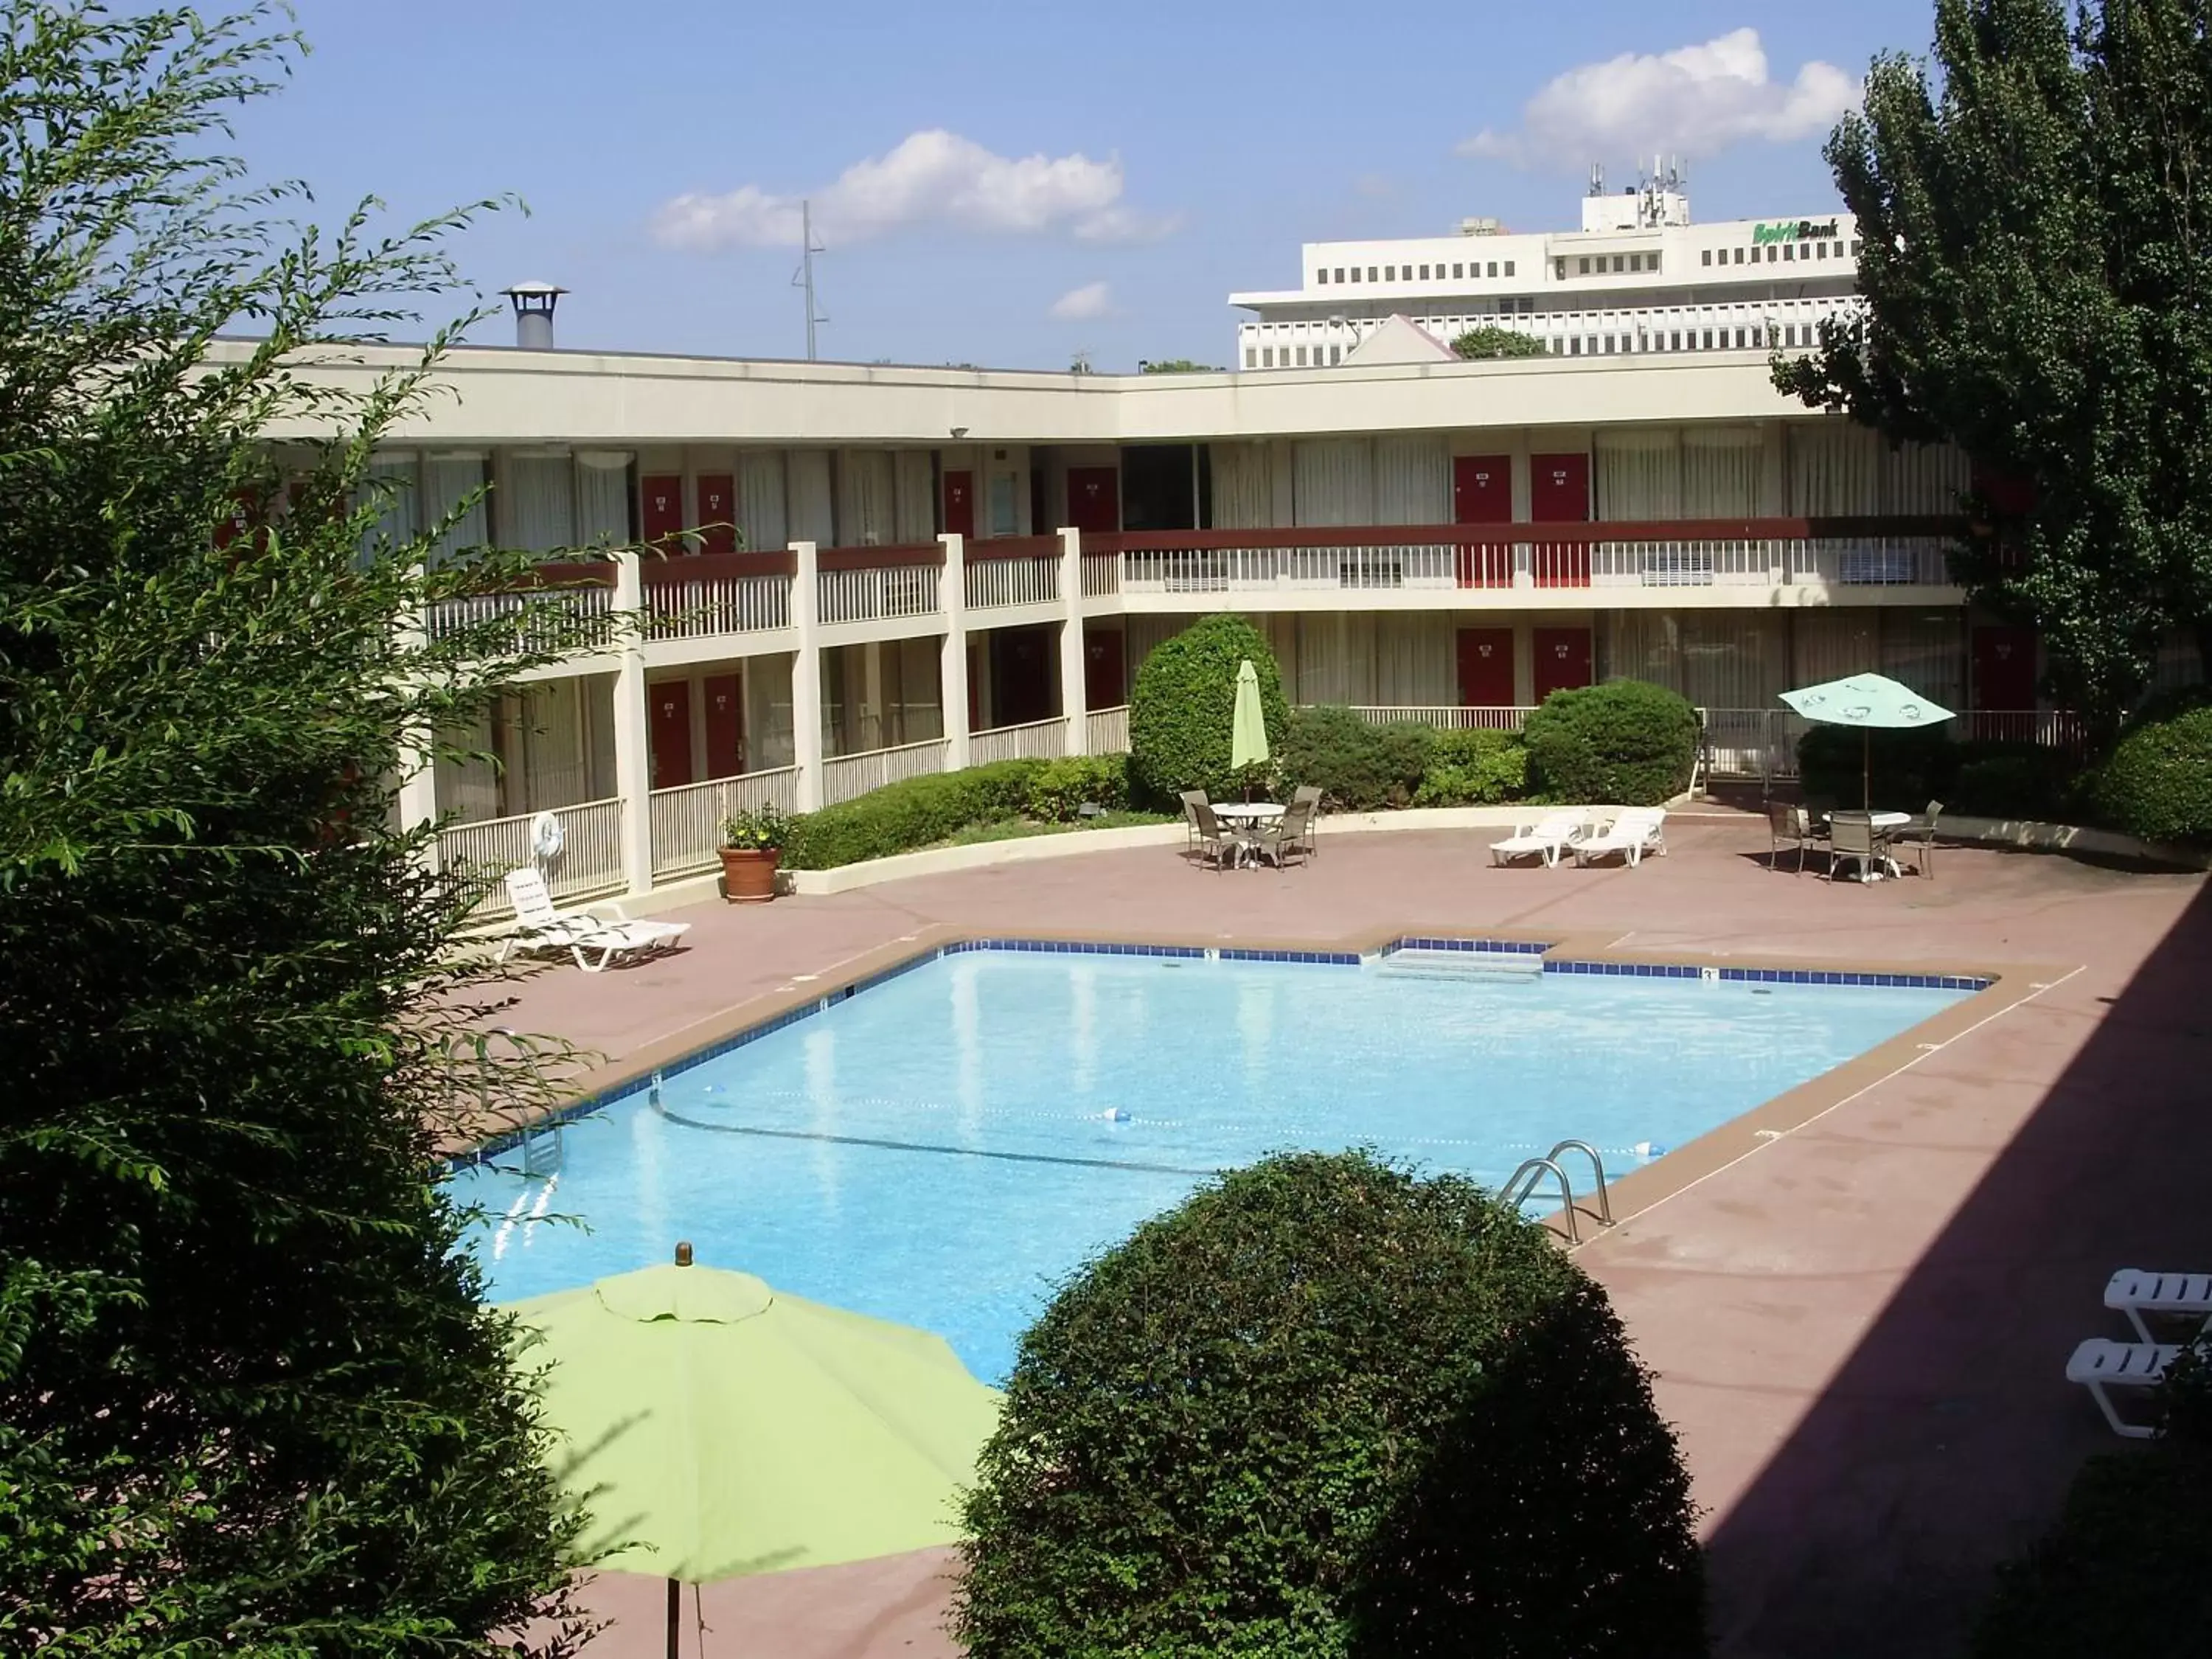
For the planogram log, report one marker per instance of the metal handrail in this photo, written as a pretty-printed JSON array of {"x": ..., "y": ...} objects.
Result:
[
  {"x": 1597, "y": 1168},
  {"x": 1533, "y": 1169}
]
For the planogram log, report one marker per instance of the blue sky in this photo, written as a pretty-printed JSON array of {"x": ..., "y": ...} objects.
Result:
[{"x": 982, "y": 165}]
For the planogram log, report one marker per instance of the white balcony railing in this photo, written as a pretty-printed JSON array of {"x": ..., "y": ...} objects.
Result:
[
  {"x": 687, "y": 820},
  {"x": 1445, "y": 717},
  {"x": 1894, "y": 562},
  {"x": 844, "y": 776},
  {"x": 535, "y": 615},
  {"x": 683, "y": 607},
  {"x": 1035, "y": 740},
  {"x": 994, "y": 583},
  {"x": 1109, "y": 731},
  {"x": 1102, "y": 575},
  {"x": 590, "y": 863},
  {"x": 878, "y": 595}
]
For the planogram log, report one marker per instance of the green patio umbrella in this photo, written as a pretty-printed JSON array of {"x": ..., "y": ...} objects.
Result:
[
  {"x": 715, "y": 1427},
  {"x": 1867, "y": 701},
  {"x": 1248, "y": 725}
]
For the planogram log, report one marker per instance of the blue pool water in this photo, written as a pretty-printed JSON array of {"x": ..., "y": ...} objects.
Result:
[{"x": 936, "y": 1149}]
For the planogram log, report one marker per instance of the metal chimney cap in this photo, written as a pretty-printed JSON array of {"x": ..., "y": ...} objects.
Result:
[{"x": 534, "y": 290}]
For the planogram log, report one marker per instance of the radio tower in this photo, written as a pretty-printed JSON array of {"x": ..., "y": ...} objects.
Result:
[{"x": 804, "y": 277}]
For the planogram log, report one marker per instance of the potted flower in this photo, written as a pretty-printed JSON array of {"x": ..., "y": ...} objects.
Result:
[{"x": 752, "y": 844}]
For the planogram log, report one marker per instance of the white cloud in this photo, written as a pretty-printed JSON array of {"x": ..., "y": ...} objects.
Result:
[
  {"x": 934, "y": 178},
  {"x": 1693, "y": 100},
  {"x": 1080, "y": 305}
]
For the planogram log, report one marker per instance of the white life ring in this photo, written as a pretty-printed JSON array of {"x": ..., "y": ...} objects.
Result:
[{"x": 547, "y": 837}]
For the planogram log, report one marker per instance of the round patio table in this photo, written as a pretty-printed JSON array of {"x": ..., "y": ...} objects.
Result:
[
  {"x": 1247, "y": 816},
  {"x": 1880, "y": 821}
]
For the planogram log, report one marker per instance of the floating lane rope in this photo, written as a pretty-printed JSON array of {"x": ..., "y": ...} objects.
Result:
[{"x": 923, "y": 1146}]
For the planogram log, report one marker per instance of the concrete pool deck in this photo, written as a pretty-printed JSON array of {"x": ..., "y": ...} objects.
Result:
[{"x": 1859, "y": 1321}]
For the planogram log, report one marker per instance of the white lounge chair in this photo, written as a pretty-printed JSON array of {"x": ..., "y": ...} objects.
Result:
[
  {"x": 1549, "y": 837},
  {"x": 538, "y": 925},
  {"x": 1636, "y": 831},
  {"x": 2135, "y": 1292},
  {"x": 2100, "y": 1364}
]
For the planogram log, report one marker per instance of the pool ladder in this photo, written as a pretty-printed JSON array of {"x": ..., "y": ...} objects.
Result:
[
  {"x": 1521, "y": 1185},
  {"x": 542, "y": 1143}
]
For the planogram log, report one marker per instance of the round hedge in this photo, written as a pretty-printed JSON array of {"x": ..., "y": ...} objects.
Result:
[
  {"x": 1326, "y": 1408},
  {"x": 1626, "y": 743},
  {"x": 2157, "y": 782},
  {"x": 1184, "y": 699}
]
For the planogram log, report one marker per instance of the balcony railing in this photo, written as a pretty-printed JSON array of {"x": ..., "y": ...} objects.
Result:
[
  {"x": 565, "y": 599},
  {"x": 1762, "y": 742},
  {"x": 876, "y": 584},
  {"x": 1023, "y": 570},
  {"x": 590, "y": 862},
  {"x": 1110, "y": 730},
  {"x": 1445, "y": 717},
  {"x": 1034, "y": 740},
  {"x": 699, "y": 596},
  {"x": 687, "y": 820},
  {"x": 844, "y": 776},
  {"x": 1101, "y": 575}
]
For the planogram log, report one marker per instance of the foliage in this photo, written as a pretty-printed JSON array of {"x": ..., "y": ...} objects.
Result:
[
  {"x": 1358, "y": 766},
  {"x": 755, "y": 829},
  {"x": 914, "y": 812},
  {"x": 1178, "y": 366},
  {"x": 1474, "y": 768},
  {"x": 1062, "y": 787},
  {"x": 1325, "y": 1408},
  {"x": 1491, "y": 340},
  {"x": 1180, "y": 708},
  {"x": 978, "y": 834},
  {"x": 250, "y": 1399},
  {"x": 2157, "y": 781},
  {"x": 1904, "y": 768},
  {"x": 2038, "y": 273},
  {"x": 2011, "y": 781},
  {"x": 1626, "y": 743}
]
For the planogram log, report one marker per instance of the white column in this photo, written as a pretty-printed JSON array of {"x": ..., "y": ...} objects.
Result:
[
  {"x": 805, "y": 680},
  {"x": 633, "y": 752},
  {"x": 875, "y": 729},
  {"x": 952, "y": 664},
  {"x": 1072, "y": 689},
  {"x": 418, "y": 781}
]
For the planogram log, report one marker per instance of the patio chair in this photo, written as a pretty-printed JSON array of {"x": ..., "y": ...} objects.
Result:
[
  {"x": 1549, "y": 837},
  {"x": 2100, "y": 1365},
  {"x": 1216, "y": 845},
  {"x": 1288, "y": 837},
  {"x": 1853, "y": 836},
  {"x": 1794, "y": 826},
  {"x": 1309, "y": 796},
  {"x": 2136, "y": 1293},
  {"x": 1918, "y": 832},
  {"x": 1192, "y": 800},
  {"x": 538, "y": 925},
  {"x": 1636, "y": 831}
]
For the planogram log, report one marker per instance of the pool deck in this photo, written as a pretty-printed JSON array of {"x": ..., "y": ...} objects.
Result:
[{"x": 1859, "y": 1311}]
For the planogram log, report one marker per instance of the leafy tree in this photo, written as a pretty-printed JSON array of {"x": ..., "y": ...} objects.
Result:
[
  {"x": 1178, "y": 366},
  {"x": 1183, "y": 705},
  {"x": 1625, "y": 743},
  {"x": 1491, "y": 340},
  {"x": 250, "y": 1400},
  {"x": 2037, "y": 219}
]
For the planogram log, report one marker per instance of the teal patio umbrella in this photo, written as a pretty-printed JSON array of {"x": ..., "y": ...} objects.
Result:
[
  {"x": 1868, "y": 701},
  {"x": 1248, "y": 725}
]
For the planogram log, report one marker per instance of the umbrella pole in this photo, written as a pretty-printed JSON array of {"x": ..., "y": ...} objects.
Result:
[
  {"x": 1866, "y": 770},
  {"x": 675, "y": 1613}
]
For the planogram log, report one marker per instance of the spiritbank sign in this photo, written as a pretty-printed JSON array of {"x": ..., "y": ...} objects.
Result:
[{"x": 1793, "y": 230}]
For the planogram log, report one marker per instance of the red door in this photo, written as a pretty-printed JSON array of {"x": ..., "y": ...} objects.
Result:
[
  {"x": 1104, "y": 686},
  {"x": 726, "y": 724},
  {"x": 1485, "y": 667},
  {"x": 1562, "y": 659},
  {"x": 2004, "y": 678},
  {"x": 718, "y": 513},
  {"x": 960, "y": 504},
  {"x": 661, "y": 510},
  {"x": 668, "y": 726},
  {"x": 1558, "y": 493},
  {"x": 1094, "y": 499},
  {"x": 1482, "y": 493}
]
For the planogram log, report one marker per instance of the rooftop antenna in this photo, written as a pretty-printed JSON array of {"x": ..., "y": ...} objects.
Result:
[
  {"x": 804, "y": 277},
  {"x": 1597, "y": 178}
]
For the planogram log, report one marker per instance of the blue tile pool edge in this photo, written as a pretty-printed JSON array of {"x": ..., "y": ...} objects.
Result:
[{"x": 644, "y": 1082}]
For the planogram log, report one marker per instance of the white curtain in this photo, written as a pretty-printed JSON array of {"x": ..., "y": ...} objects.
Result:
[
  {"x": 1837, "y": 468},
  {"x": 865, "y": 510},
  {"x": 1146, "y": 631},
  {"x": 1243, "y": 487},
  {"x": 469, "y": 789},
  {"x": 1637, "y": 474},
  {"x": 1327, "y": 651},
  {"x": 1721, "y": 468},
  {"x": 1413, "y": 481},
  {"x": 555, "y": 745},
  {"x": 917, "y": 501},
  {"x": 1827, "y": 645},
  {"x": 760, "y": 518},
  {"x": 447, "y": 480},
  {"x": 1926, "y": 650},
  {"x": 1416, "y": 660},
  {"x": 603, "y": 491},
  {"x": 536, "y": 502},
  {"x": 813, "y": 516},
  {"x": 917, "y": 703},
  {"x": 598, "y": 696},
  {"x": 1332, "y": 481},
  {"x": 392, "y": 485},
  {"x": 1716, "y": 658},
  {"x": 769, "y": 745}
]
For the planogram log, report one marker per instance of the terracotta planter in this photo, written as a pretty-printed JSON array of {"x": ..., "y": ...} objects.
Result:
[{"x": 749, "y": 874}]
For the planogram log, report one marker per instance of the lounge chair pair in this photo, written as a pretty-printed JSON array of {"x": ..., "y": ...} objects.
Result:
[
  {"x": 538, "y": 925},
  {"x": 1632, "y": 832},
  {"x": 2100, "y": 1364}
]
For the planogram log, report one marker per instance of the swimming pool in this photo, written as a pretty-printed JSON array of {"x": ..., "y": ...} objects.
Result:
[{"x": 941, "y": 1147}]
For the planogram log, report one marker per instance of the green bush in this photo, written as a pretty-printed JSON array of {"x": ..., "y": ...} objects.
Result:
[
  {"x": 1184, "y": 699},
  {"x": 1907, "y": 768},
  {"x": 902, "y": 817},
  {"x": 1356, "y": 766},
  {"x": 2010, "y": 781},
  {"x": 1324, "y": 1409},
  {"x": 1498, "y": 777},
  {"x": 1625, "y": 743},
  {"x": 2157, "y": 782},
  {"x": 1062, "y": 787}
]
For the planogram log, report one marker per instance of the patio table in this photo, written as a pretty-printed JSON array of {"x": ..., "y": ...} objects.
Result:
[
  {"x": 1247, "y": 816},
  {"x": 1879, "y": 821}
]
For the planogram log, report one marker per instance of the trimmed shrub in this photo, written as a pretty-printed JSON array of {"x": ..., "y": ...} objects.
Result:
[
  {"x": 1626, "y": 743},
  {"x": 2157, "y": 782},
  {"x": 901, "y": 816},
  {"x": 1906, "y": 769},
  {"x": 1501, "y": 775},
  {"x": 2010, "y": 781},
  {"x": 1325, "y": 1409},
  {"x": 1064, "y": 786},
  {"x": 1184, "y": 699},
  {"x": 1356, "y": 766}
]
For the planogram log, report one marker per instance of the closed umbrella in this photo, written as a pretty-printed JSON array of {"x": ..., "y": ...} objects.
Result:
[
  {"x": 715, "y": 1427},
  {"x": 1869, "y": 701},
  {"x": 1248, "y": 725}
]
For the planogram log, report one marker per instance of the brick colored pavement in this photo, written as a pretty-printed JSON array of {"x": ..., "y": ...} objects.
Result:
[{"x": 1859, "y": 1329}]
